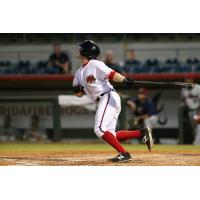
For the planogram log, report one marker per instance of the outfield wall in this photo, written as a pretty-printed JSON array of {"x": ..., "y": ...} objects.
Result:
[{"x": 21, "y": 111}]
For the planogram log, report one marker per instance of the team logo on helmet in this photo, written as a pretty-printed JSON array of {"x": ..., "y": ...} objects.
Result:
[{"x": 90, "y": 79}]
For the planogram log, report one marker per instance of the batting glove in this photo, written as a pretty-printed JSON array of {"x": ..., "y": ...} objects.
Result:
[
  {"x": 77, "y": 89},
  {"x": 128, "y": 81}
]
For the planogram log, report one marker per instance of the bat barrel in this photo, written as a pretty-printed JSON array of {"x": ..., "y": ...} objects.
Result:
[{"x": 163, "y": 84}]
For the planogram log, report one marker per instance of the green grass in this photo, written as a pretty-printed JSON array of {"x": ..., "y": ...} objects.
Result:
[{"x": 57, "y": 147}]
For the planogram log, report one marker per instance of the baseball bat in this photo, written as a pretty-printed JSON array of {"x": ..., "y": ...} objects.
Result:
[{"x": 157, "y": 83}]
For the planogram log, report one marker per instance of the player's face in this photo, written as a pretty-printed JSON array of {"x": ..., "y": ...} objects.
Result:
[
  {"x": 142, "y": 96},
  {"x": 78, "y": 55}
]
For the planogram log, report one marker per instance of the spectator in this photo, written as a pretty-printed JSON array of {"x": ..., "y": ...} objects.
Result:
[
  {"x": 109, "y": 61},
  {"x": 35, "y": 132},
  {"x": 7, "y": 132},
  {"x": 60, "y": 60},
  {"x": 143, "y": 109},
  {"x": 131, "y": 61},
  {"x": 191, "y": 99}
]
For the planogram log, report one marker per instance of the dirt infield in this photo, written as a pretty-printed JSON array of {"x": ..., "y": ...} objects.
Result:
[{"x": 95, "y": 155}]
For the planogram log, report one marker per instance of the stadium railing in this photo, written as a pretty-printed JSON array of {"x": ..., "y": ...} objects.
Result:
[{"x": 64, "y": 82}]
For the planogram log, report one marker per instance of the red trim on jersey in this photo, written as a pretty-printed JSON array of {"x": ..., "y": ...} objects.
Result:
[{"x": 111, "y": 75}]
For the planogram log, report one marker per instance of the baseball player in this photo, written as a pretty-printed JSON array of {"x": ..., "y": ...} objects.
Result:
[
  {"x": 191, "y": 98},
  {"x": 143, "y": 108},
  {"x": 92, "y": 78}
]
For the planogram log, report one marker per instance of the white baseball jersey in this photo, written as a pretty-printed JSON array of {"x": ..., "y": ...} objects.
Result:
[
  {"x": 192, "y": 97},
  {"x": 94, "y": 78}
]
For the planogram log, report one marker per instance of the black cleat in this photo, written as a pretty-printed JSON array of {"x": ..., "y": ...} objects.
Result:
[
  {"x": 122, "y": 157},
  {"x": 146, "y": 137}
]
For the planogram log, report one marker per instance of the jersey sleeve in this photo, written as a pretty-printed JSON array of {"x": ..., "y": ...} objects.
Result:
[
  {"x": 75, "y": 80},
  {"x": 104, "y": 71}
]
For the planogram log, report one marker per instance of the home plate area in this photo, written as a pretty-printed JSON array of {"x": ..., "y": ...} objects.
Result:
[{"x": 98, "y": 158}]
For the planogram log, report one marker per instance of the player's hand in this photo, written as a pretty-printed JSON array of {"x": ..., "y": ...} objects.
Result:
[
  {"x": 77, "y": 89},
  {"x": 128, "y": 81},
  {"x": 196, "y": 118},
  {"x": 80, "y": 94}
]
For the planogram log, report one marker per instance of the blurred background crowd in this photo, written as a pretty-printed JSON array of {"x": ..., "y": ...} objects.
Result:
[{"x": 61, "y": 56}]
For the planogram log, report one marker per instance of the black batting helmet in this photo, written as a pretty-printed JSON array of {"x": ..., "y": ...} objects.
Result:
[{"x": 89, "y": 49}]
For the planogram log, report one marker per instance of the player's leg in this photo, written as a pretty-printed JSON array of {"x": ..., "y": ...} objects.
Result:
[
  {"x": 126, "y": 134},
  {"x": 151, "y": 121},
  {"x": 145, "y": 136},
  {"x": 106, "y": 114},
  {"x": 197, "y": 136},
  {"x": 110, "y": 121}
]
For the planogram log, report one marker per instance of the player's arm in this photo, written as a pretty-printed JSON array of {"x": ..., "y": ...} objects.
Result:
[
  {"x": 131, "y": 104},
  {"x": 78, "y": 90},
  {"x": 117, "y": 77},
  {"x": 183, "y": 97},
  {"x": 107, "y": 72},
  {"x": 77, "y": 87}
]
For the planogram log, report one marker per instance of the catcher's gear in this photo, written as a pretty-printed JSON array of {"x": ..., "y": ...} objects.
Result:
[
  {"x": 77, "y": 89},
  {"x": 89, "y": 49}
]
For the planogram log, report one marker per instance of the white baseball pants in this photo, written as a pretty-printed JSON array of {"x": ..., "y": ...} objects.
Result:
[{"x": 108, "y": 110}]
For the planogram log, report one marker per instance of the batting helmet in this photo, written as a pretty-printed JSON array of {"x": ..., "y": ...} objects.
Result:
[{"x": 89, "y": 49}]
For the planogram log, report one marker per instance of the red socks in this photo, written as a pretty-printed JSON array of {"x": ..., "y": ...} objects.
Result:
[
  {"x": 112, "y": 140},
  {"x": 125, "y": 135},
  {"x": 120, "y": 135}
]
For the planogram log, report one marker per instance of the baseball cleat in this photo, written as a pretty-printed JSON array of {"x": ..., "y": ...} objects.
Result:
[
  {"x": 146, "y": 137},
  {"x": 122, "y": 157}
]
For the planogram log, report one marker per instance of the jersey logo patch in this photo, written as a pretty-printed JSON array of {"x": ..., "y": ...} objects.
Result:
[{"x": 90, "y": 79}]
